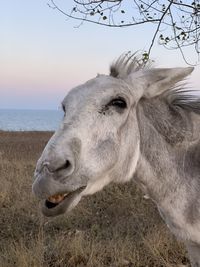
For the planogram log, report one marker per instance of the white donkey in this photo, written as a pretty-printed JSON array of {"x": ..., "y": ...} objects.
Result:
[{"x": 132, "y": 124}]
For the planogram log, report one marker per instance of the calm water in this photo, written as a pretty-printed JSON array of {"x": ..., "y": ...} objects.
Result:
[{"x": 30, "y": 120}]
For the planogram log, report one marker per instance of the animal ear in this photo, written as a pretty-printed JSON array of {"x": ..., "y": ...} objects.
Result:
[{"x": 157, "y": 81}]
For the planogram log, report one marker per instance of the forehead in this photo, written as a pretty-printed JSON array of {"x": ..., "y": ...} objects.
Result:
[{"x": 100, "y": 87}]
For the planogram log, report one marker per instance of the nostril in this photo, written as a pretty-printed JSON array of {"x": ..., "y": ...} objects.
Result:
[{"x": 66, "y": 165}]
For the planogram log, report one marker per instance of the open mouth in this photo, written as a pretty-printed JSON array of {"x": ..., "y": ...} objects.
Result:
[
  {"x": 55, "y": 200},
  {"x": 60, "y": 203}
]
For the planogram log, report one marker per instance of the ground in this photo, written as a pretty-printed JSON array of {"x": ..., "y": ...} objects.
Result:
[{"x": 116, "y": 227}]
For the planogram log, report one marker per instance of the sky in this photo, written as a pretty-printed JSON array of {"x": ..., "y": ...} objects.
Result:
[{"x": 43, "y": 55}]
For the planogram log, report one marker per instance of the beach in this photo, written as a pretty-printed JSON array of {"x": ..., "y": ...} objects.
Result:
[{"x": 116, "y": 227}]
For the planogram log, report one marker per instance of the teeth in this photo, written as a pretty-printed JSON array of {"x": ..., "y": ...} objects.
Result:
[{"x": 56, "y": 198}]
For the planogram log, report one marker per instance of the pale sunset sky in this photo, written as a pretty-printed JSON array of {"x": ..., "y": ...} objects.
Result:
[{"x": 43, "y": 55}]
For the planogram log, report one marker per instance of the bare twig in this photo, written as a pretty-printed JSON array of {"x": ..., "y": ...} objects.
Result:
[{"x": 179, "y": 21}]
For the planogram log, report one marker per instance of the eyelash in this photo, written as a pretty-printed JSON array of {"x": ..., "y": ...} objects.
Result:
[{"x": 118, "y": 103}]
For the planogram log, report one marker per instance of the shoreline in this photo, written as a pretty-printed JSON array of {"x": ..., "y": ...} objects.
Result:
[{"x": 25, "y": 131}]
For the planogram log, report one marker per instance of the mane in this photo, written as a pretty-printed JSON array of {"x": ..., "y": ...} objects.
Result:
[
  {"x": 128, "y": 63},
  {"x": 188, "y": 99},
  {"x": 179, "y": 95}
]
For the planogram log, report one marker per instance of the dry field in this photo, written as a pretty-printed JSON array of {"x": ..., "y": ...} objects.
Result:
[{"x": 116, "y": 227}]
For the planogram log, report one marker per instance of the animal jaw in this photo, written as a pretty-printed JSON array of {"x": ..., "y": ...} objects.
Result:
[{"x": 60, "y": 203}]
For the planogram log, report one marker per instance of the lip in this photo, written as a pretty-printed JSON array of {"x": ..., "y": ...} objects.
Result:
[{"x": 71, "y": 199}]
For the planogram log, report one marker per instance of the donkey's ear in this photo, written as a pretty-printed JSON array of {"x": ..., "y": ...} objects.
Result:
[{"x": 157, "y": 81}]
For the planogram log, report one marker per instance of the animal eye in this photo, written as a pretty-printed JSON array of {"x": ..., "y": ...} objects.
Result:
[
  {"x": 63, "y": 108},
  {"x": 119, "y": 103}
]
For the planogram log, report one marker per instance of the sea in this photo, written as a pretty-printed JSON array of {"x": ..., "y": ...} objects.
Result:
[{"x": 30, "y": 120}]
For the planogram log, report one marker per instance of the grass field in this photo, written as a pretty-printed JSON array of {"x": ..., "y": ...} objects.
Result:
[{"x": 116, "y": 227}]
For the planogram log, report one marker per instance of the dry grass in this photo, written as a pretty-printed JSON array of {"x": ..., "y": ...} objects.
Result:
[{"x": 116, "y": 227}]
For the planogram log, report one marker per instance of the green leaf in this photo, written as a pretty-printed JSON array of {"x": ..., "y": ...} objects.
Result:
[{"x": 145, "y": 57}]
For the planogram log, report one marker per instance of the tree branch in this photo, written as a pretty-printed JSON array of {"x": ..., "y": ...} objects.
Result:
[{"x": 179, "y": 20}]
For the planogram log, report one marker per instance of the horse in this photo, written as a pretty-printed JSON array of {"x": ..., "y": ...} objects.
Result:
[{"x": 139, "y": 122}]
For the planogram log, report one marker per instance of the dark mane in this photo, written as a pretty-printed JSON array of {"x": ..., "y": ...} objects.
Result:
[{"x": 185, "y": 98}]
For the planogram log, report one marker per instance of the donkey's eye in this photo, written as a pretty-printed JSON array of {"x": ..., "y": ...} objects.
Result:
[
  {"x": 118, "y": 103},
  {"x": 63, "y": 108}
]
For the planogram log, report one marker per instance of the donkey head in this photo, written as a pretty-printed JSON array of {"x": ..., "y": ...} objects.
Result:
[{"x": 98, "y": 141}]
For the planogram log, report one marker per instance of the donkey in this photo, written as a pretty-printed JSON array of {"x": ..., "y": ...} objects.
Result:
[{"x": 135, "y": 123}]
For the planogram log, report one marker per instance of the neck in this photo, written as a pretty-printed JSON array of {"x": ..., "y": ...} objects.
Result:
[{"x": 164, "y": 133}]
